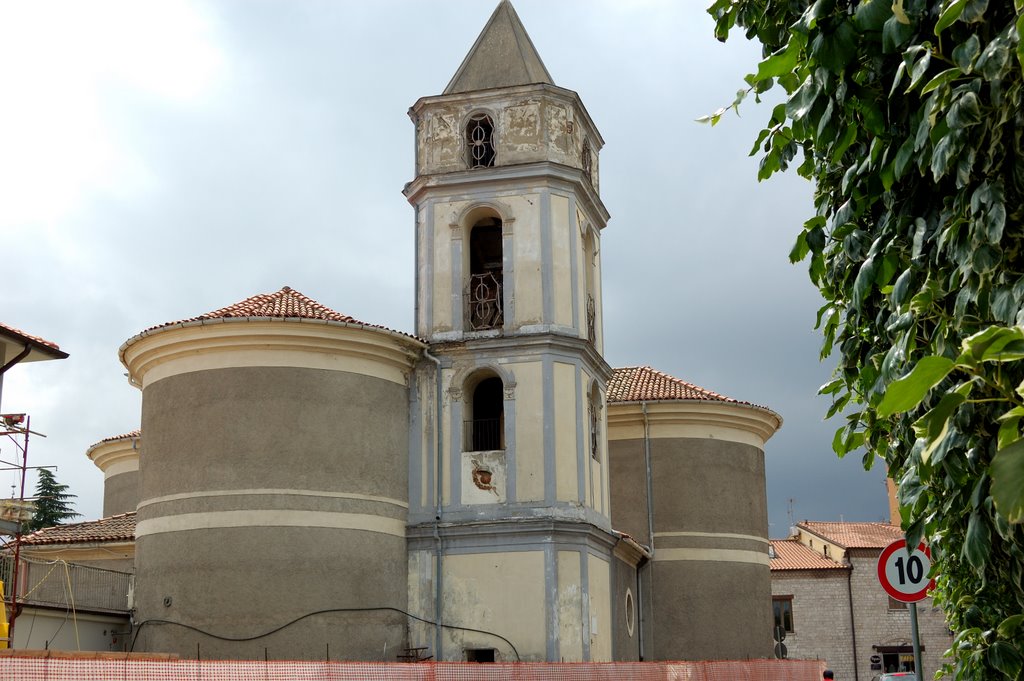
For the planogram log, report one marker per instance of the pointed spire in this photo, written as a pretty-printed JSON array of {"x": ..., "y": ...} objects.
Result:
[{"x": 502, "y": 56}]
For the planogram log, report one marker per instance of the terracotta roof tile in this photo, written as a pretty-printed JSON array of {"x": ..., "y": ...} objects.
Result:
[
  {"x": 284, "y": 304},
  {"x": 875, "y": 535},
  {"x": 115, "y": 528},
  {"x": 792, "y": 555},
  {"x": 636, "y": 384},
  {"x": 22, "y": 337},
  {"x": 130, "y": 435}
]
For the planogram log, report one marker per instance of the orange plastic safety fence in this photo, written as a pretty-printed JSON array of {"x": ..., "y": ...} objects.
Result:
[{"x": 71, "y": 669}]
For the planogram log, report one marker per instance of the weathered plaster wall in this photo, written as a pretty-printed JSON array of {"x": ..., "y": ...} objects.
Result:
[
  {"x": 269, "y": 493},
  {"x": 711, "y": 529},
  {"x": 120, "y": 493},
  {"x": 532, "y": 123}
]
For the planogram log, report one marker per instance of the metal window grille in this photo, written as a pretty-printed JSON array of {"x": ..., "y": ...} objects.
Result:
[
  {"x": 480, "y": 141},
  {"x": 591, "y": 318},
  {"x": 482, "y": 435},
  {"x": 485, "y": 302}
]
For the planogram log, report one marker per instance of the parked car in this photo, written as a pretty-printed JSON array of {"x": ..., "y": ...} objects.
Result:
[{"x": 897, "y": 676}]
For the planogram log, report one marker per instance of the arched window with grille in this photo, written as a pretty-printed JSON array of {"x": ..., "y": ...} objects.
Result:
[
  {"x": 480, "y": 141},
  {"x": 485, "y": 295},
  {"x": 594, "y": 413},
  {"x": 485, "y": 427}
]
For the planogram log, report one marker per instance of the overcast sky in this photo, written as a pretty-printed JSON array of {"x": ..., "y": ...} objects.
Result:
[{"x": 159, "y": 160}]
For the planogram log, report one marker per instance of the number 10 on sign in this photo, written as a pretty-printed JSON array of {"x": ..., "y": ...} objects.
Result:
[{"x": 903, "y": 574}]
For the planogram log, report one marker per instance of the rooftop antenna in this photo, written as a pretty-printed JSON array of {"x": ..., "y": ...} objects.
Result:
[{"x": 789, "y": 511}]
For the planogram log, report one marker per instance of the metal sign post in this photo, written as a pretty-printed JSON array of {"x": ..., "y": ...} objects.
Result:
[{"x": 904, "y": 576}]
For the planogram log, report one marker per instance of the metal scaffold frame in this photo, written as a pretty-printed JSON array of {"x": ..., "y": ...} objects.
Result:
[{"x": 16, "y": 428}]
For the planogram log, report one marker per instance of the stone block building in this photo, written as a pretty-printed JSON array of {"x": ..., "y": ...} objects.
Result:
[{"x": 827, "y": 597}]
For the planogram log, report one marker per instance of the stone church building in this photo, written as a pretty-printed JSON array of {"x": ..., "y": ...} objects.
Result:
[{"x": 486, "y": 488}]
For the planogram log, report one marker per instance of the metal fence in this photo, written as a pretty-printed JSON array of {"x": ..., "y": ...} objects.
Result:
[
  {"x": 14, "y": 668},
  {"x": 67, "y": 585}
]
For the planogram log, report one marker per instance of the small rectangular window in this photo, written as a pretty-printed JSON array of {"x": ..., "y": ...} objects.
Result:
[
  {"x": 896, "y": 605},
  {"x": 480, "y": 655},
  {"x": 783, "y": 609}
]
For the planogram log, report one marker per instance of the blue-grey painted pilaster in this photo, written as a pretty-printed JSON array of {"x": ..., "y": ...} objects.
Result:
[
  {"x": 551, "y": 600},
  {"x": 582, "y": 433},
  {"x": 458, "y": 308},
  {"x": 546, "y": 258},
  {"x": 548, "y": 380},
  {"x": 510, "y": 449},
  {"x": 508, "y": 263},
  {"x": 574, "y": 261},
  {"x": 585, "y": 589},
  {"x": 415, "y": 444},
  {"x": 427, "y": 264},
  {"x": 455, "y": 453}
]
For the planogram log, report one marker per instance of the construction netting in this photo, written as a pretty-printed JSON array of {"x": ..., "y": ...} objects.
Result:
[{"x": 134, "y": 669}]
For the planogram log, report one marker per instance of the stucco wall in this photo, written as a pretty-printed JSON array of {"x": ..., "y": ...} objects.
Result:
[
  {"x": 120, "y": 493},
  {"x": 269, "y": 493},
  {"x": 710, "y": 529},
  {"x": 625, "y": 629}
]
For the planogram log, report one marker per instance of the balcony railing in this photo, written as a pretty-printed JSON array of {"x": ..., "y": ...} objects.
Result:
[
  {"x": 484, "y": 300},
  {"x": 482, "y": 435},
  {"x": 64, "y": 585}
]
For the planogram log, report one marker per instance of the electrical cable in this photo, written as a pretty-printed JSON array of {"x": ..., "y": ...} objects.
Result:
[{"x": 312, "y": 614}]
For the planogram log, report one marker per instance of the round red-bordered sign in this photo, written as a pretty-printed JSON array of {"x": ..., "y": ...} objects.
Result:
[{"x": 903, "y": 575}]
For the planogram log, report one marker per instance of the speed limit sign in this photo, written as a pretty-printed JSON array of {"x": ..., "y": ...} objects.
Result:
[{"x": 903, "y": 574}]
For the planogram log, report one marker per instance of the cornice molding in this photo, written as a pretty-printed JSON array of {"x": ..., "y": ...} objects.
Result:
[
  {"x": 542, "y": 173},
  {"x": 666, "y": 419},
  {"x": 269, "y": 342}
]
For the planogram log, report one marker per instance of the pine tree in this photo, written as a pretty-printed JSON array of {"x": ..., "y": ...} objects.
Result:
[{"x": 53, "y": 503}]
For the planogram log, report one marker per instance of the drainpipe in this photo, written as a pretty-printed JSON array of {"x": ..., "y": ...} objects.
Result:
[
  {"x": 853, "y": 626},
  {"x": 650, "y": 503},
  {"x": 639, "y": 605},
  {"x": 438, "y": 548}
]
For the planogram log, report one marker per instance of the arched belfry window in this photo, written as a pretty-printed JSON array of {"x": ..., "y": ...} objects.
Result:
[
  {"x": 480, "y": 141},
  {"x": 590, "y": 274},
  {"x": 485, "y": 427},
  {"x": 594, "y": 409},
  {"x": 484, "y": 295},
  {"x": 587, "y": 160}
]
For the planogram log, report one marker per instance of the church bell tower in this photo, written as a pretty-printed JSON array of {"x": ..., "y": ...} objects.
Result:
[{"x": 509, "y": 531}]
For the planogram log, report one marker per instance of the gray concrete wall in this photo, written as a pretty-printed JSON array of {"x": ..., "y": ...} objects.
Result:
[
  {"x": 706, "y": 610},
  {"x": 711, "y": 586},
  {"x": 625, "y": 643},
  {"x": 628, "y": 484},
  {"x": 120, "y": 493},
  {"x": 280, "y": 479}
]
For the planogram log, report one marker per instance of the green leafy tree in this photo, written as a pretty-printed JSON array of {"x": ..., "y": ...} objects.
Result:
[
  {"x": 53, "y": 502},
  {"x": 907, "y": 115}
]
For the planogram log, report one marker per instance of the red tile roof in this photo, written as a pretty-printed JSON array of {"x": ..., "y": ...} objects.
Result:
[
  {"x": 130, "y": 435},
  {"x": 855, "y": 535},
  {"x": 644, "y": 384},
  {"x": 113, "y": 529},
  {"x": 792, "y": 555},
  {"x": 284, "y": 304},
  {"x": 20, "y": 337}
]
